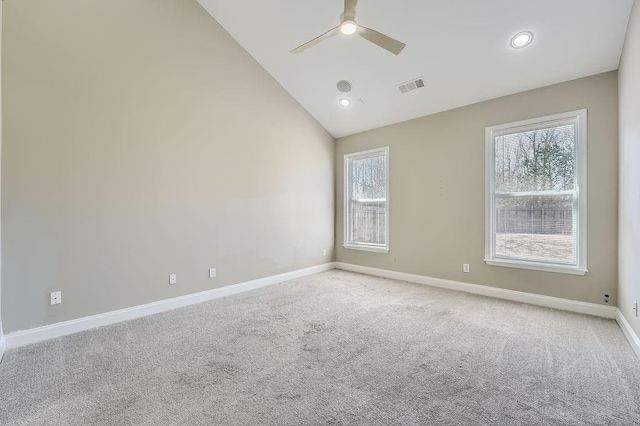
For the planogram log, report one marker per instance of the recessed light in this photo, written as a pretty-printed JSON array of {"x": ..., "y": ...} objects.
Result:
[
  {"x": 348, "y": 27},
  {"x": 345, "y": 102},
  {"x": 522, "y": 39}
]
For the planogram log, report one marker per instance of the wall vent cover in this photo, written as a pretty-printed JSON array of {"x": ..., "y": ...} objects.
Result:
[{"x": 411, "y": 85}]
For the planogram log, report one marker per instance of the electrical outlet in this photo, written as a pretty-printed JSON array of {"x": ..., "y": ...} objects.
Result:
[
  {"x": 56, "y": 297},
  {"x": 212, "y": 272},
  {"x": 465, "y": 268},
  {"x": 324, "y": 252},
  {"x": 635, "y": 308},
  {"x": 173, "y": 279}
]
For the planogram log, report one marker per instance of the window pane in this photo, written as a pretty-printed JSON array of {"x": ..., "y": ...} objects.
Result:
[
  {"x": 368, "y": 220},
  {"x": 369, "y": 178},
  {"x": 368, "y": 200},
  {"x": 536, "y": 228},
  {"x": 536, "y": 160}
]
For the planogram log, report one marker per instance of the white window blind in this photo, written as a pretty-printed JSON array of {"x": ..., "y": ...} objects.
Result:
[
  {"x": 366, "y": 200},
  {"x": 536, "y": 193}
]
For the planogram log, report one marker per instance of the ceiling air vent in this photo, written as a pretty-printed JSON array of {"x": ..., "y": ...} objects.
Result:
[{"x": 411, "y": 85}]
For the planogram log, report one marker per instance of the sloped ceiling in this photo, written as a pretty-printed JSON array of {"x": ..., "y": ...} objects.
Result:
[{"x": 459, "y": 47}]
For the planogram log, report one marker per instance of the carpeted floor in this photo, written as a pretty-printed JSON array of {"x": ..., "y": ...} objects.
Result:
[{"x": 334, "y": 348}]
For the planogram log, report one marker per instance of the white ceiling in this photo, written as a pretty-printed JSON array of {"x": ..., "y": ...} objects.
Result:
[{"x": 460, "y": 48}]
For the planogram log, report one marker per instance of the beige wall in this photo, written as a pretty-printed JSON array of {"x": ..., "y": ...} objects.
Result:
[
  {"x": 141, "y": 140},
  {"x": 437, "y": 193},
  {"x": 629, "y": 246}
]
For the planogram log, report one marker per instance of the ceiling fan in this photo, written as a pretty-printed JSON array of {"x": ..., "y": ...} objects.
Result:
[{"x": 349, "y": 26}]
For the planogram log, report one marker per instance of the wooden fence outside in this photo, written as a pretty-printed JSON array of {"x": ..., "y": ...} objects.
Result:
[
  {"x": 534, "y": 221},
  {"x": 368, "y": 219}
]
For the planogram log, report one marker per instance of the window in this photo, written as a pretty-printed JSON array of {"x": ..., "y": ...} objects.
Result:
[
  {"x": 366, "y": 206},
  {"x": 536, "y": 194}
]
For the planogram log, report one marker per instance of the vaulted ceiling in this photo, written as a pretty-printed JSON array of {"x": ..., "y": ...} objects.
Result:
[{"x": 461, "y": 48}]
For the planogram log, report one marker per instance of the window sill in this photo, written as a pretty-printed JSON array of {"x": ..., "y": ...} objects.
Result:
[
  {"x": 366, "y": 248},
  {"x": 545, "y": 267}
]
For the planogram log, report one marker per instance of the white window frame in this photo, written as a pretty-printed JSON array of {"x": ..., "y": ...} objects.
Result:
[
  {"x": 377, "y": 248},
  {"x": 580, "y": 204}
]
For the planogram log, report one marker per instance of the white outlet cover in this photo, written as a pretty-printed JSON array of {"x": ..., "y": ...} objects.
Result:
[
  {"x": 173, "y": 279},
  {"x": 324, "y": 252},
  {"x": 465, "y": 268},
  {"x": 212, "y": 272},
  {"x": 56, "y": 297}
]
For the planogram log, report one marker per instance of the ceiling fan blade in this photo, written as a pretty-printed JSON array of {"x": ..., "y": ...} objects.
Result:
[
  {"x": 316, "y": 40},
  {"x": 392, "y": 45},
  {"x": 350, "y": 10}
]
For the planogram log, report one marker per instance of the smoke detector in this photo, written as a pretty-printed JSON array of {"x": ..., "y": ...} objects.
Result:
[{"x": 344, "y": 86}]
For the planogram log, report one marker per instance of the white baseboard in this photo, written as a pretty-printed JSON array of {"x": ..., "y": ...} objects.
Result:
[
  {"x": 631, "y": 336},
  {"x": 610, "y": 312},
  {"x": 26, "y": 337},
  {"x": 499, "y": 293},
  {"x": 3, "y": 343}
]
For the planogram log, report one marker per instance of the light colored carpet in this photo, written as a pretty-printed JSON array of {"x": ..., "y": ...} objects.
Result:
[{"x": 334, "y": 348}]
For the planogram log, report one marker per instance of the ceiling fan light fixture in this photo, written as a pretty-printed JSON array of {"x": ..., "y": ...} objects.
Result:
[{"x": 348, "y": 27}]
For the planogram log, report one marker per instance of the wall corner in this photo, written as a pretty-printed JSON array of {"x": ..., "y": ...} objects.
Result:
[{"x": 3, "y": 344}]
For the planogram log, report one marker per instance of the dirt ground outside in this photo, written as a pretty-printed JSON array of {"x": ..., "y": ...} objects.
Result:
[{"x": 556, "y": 247}]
